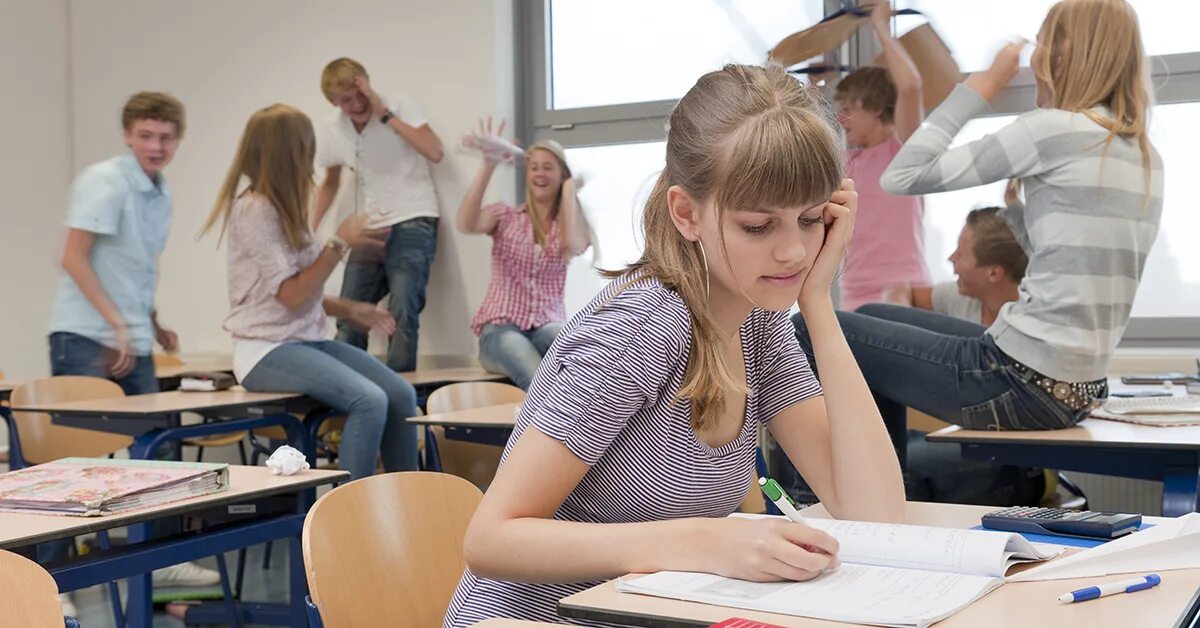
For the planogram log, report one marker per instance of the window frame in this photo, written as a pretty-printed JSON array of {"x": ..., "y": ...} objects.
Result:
[{"x": 1176, "y": 78}]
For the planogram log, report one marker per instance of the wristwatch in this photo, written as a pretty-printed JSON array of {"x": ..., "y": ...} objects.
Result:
[
  {"x": 338, "y": 245},
  {"x": 385, "y": 117}
]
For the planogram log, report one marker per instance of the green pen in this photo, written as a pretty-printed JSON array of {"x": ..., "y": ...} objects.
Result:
[{"x": 776, "y": 494}]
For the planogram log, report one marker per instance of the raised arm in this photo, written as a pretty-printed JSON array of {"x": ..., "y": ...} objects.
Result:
[
  {"x": 910, "y": 107},
  {"x": 418, "y": 134},
  {"x": 926, "y": 164},
  {"x": 576, "y": 232}
]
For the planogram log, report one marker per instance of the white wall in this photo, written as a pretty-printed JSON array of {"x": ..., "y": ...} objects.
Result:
[
  {"x": 35, "y": 131},
  {"x": 224, "y": 59}
]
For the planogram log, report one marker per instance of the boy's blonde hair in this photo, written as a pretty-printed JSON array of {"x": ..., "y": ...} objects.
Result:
[
  {"x": 276, "y": 156},
  {"x": 746, "y": 137},
  {"x": 153, "y": 106},
  {"x": 873, "y": 87},
  {"x": 339, "y": 75}
]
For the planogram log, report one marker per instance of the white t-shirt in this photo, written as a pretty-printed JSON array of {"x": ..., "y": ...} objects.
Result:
[
  {"x": 947, "y": 300},
  {"x": 391, "y": 177}
]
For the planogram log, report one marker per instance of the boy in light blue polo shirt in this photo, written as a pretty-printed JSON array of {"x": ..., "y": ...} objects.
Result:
[{"x": 104, "y": 322}]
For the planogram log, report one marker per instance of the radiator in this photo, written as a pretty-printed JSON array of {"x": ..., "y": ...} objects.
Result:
[{"x": 1105, "y": 493}]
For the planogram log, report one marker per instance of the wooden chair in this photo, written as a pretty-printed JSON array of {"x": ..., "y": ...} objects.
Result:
[
  {"x": 473, "y": 461},
  {"x": 30, "y": 593},
  {"x": 200, "y": 442},
  {"x": 388, "y": 550},
  {"x": 42, "y": 441}
]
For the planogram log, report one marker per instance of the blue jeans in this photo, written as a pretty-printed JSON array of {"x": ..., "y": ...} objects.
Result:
[
  {"x": 72, "y": 354},
  {"x": 943, "y": 366},
  {"x": 375, "y": 400},
  {"x": 402, "y": 271},
  {"x": 515, "y": 352}
]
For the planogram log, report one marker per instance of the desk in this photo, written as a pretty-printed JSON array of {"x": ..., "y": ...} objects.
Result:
[
  {"x": 153, "y": 419},
  {"x": 1170, "y": 455},
  {"x": 1029, "y": 604},
  {"x": 486, "y": 425},
  {"x": 136, "y": 560},
  {"x": 169, "y": 374}
]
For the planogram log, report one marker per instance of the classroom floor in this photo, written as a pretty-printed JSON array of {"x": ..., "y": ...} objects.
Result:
[{"x": 94, "y": 610}]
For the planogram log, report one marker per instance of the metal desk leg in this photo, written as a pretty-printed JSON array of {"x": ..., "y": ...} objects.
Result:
[
  {"x": 433, "y": 459},
  {"x": 139, "y": 611},
  {"x": 1181, "y": 488}
]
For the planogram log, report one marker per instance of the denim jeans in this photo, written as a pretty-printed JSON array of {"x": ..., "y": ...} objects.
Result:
[
  {"x": 72, "y": 354},
  {"x": 943, "y": 366},
  {"x": 375, "y": 400},
  {"x": 401, "y": 271},
  {"x": 515, "y": 352}
]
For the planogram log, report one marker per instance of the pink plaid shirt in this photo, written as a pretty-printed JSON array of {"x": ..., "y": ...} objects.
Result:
[{"x": 526, "y": 289}]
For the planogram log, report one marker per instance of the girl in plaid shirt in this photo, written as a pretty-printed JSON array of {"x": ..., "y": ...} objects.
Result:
[{"x": 531, "y": 247}]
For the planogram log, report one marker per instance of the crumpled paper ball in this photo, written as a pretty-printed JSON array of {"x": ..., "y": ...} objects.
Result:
[{"x": 287, "y": 460}]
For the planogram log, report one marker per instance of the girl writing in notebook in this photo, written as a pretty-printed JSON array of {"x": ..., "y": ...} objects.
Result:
[
  {"x": 638, "y": 435},
  {"x": 532, "y": 244},
  {"x": 277, "y": 274},
  {"x": 1093, "y": 193}
]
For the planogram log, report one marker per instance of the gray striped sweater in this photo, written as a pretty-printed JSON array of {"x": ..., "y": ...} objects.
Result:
[{"x": 1087, "y": 224}]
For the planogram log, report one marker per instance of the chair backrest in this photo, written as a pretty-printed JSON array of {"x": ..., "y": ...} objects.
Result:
[
  {"x": 30, "y": 593},
  {"x": 42, "y": 441},
  {"x": 387, "y": 550},
  {"x": 465, "y": 395},
  {"x": 473, "y": 461}
]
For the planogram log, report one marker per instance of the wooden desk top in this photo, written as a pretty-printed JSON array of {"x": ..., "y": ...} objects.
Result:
[
  {"x": 425, "y": 377},
  {"x": 1027, "y": 604},
  {"x": 245, "y": 483},
  {"x": 1089, "y": 432},
  {"x": 173, "y": 371},
  {"x": 162, "y": 403},
  {"x": 503, "y": 416}
]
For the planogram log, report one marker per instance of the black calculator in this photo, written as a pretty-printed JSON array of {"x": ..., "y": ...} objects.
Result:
[{"x": 1062, "y": 522}]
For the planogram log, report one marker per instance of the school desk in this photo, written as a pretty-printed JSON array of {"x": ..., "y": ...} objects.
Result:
[
  {"x": 248, "y": 488},
  {"x": 1025, "y": 604}
]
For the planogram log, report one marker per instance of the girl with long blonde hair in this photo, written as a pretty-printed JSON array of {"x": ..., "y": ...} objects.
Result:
[
  {"x": 639, "y": 431},
  {"x": 1093, "y": 193},
  {"x": 532, "y": 244},
  {"x": 278, "y": 312}
]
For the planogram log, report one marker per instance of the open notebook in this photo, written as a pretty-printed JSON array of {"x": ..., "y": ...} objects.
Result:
[
  {"x": 100, "y": 486},
  {"x": 1161, "y": 411},
  {"x": 891, "y": 575}
]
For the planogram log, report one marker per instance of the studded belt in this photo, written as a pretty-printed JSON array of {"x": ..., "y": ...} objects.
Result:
[{"x": 1077, "y": 396}]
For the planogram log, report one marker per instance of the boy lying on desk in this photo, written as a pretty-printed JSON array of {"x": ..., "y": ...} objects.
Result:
[{"x": 639, "y": 431}]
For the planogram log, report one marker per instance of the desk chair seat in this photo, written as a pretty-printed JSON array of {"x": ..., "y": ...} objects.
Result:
[
  {"x": 473, "y": 461},
  {"x": 388, "y": 550}
]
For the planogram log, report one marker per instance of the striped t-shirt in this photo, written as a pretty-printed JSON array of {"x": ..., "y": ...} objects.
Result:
[
  {"x": 1087, "y": 224},
  {"x": 606, "y": 390}
]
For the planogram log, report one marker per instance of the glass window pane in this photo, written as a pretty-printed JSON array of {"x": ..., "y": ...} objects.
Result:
[
  {"x": 616, "y": 181},
  {"x": 626, "y": 51},
  {"x": 974, "y": 31},
  {"x": 1171, "y": 283}
]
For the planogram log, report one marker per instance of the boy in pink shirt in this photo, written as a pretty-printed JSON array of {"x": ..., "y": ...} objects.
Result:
[{"x": 880, "y": 108}]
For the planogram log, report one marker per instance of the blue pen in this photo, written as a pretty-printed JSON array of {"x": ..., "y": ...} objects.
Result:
[{"x": 1123, "y": 586}]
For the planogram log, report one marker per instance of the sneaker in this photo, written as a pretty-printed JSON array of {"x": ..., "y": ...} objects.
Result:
[
  {"x": 68, "y": 607},
  {"x": 186, "y": 575}
]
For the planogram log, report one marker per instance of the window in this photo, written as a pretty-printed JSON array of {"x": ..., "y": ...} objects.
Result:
[
  {"x": 631, "y": 51},
  {"x": 617, "y": 180},
  {"x": 601, "y": 78}
]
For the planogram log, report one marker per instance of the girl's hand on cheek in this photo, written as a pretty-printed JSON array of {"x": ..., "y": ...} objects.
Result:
[{"x": 839, "y": 216}]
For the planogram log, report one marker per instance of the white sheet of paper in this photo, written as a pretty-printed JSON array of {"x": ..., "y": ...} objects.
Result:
[{"x": 1173, "y": 544}]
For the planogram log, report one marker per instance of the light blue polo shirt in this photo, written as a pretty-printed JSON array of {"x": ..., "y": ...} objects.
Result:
[{"x": 130, "y": 216}]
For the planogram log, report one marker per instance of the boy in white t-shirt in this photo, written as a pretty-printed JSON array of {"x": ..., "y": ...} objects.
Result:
[
  {"x": 388, "y": 145},
  {"x": 989, "y": 263}
]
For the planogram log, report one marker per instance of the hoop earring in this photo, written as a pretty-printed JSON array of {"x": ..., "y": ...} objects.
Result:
[{"x": 704, "y": 258}]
